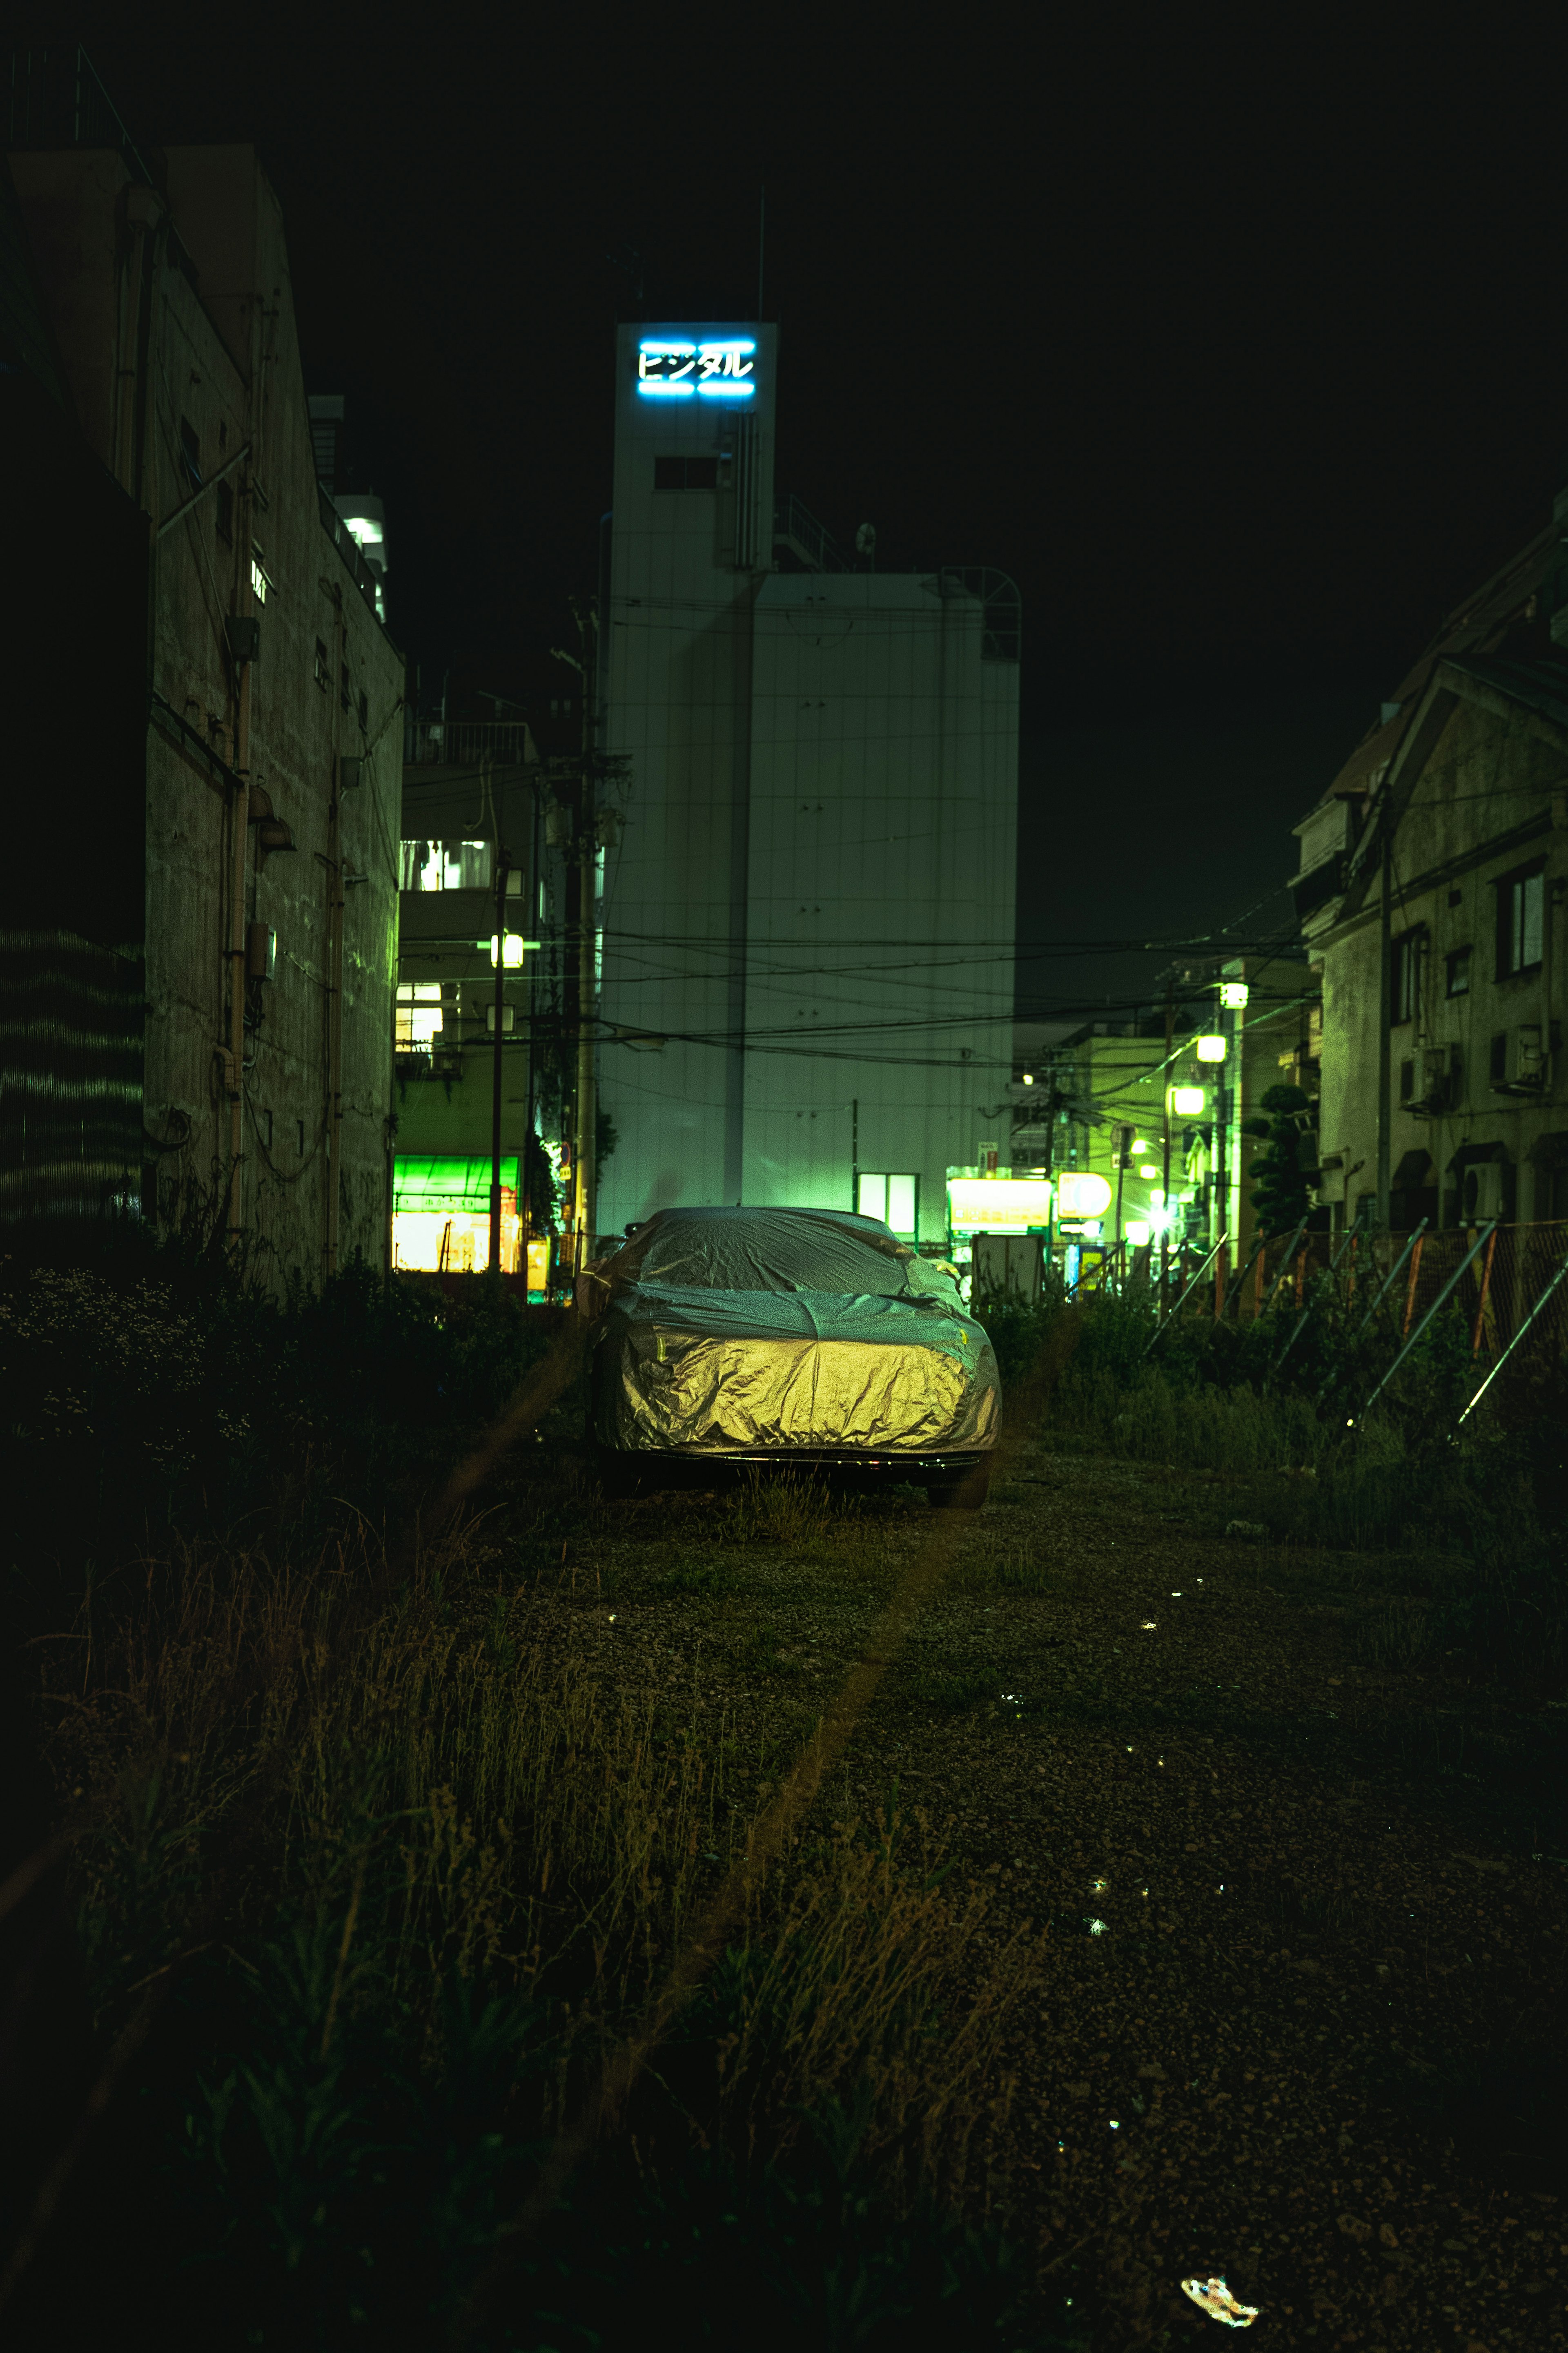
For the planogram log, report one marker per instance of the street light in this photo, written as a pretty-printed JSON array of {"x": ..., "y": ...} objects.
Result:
[{"x": 1211, "y": 1050}]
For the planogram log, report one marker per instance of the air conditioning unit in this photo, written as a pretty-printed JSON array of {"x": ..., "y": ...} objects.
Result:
[
  {"x": 1481, "y": 1192},
  {"x": 1436, "y": 1086},
  {"x": 1523, "y": 1060}
]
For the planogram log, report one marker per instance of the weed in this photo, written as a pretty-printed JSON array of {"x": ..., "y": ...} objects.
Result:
[
  {"x": 703, "y": 1576},
  {"x": 1396, "y": 1636},
  {"x": 951, "y": 1691},
  {"x": 1020, "y": 1572},
  {"x": 782, "y": 1507}
]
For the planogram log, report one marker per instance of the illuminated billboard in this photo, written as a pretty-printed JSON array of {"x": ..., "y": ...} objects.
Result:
[
  {"x": 998, "y": 1204},
  {"x": 674, "y": 367}
]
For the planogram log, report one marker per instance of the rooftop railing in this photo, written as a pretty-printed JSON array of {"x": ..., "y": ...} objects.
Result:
[{"x": 464, "y": 743}]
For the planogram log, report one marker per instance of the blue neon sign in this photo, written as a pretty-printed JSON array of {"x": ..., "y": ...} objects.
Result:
[{"x": 672, "y": 369}]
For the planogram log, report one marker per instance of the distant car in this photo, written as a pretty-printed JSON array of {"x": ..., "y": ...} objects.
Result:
[{"x": 809, "y": 1337}]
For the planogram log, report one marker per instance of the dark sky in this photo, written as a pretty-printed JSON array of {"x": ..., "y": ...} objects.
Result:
[{"x": 1239, "y": 341}]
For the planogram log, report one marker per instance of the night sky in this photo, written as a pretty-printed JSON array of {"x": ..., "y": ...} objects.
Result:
[{"x": 1241, "y": 344}]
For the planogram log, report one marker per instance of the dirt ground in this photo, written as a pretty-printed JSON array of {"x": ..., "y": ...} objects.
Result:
[{"x": 1303, "y": 1886}]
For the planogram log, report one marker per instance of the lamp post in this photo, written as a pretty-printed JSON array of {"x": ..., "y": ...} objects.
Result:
[{"x": 500, "y": 880}]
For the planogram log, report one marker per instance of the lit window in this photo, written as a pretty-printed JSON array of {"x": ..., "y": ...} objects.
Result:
[
  {"x": 1406, "y": 975},
  {"x": 895, "y": 1199},
  {"x": 443, "y": 866},
  {"x": 419, "y": 1016},
  {"x": 1459, "y": 973}
]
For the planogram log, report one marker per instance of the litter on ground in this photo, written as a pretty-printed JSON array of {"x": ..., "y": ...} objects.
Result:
[{"x": 1213, "y": 2296}]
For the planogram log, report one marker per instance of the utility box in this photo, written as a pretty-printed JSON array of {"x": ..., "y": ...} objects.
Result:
[{"x": 1007, "y": 1266}]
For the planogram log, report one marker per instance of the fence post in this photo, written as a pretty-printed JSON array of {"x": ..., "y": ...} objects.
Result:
[
  {"x": 1552, "y": 1283},
  {"x": 1441, "y": 1300},
  {"x": 1486, "y": 1287},
  {"x": 1419, "y": 1245}
]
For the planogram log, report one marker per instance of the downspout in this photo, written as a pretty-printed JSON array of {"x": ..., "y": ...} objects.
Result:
[
  {"x": 1384, "y": 1032},
  {"x": 240, "y": 821},
  {"x": 334, "y": 1103}
]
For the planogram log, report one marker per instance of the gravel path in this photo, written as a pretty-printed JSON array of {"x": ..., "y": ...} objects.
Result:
[{"x": 1303, "y": 2019}]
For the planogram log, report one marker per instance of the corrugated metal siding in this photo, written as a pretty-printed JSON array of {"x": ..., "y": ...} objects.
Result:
[{"x": 71, "y": 1032}]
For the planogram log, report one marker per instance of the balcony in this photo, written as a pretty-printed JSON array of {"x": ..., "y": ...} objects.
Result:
[{"x": 466, "y": 743}]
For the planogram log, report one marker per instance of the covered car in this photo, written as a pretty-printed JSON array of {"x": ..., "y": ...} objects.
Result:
[{"x": 805, "y": 1336}]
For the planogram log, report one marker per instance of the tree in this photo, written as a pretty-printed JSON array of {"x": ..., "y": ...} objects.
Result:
[{"x": 1280, "y": 1196}]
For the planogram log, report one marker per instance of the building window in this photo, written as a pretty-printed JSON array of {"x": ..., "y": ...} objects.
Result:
[
  {"x": 1406, "y": 977},
  {"x": 1459, "y": 973},
  {"x": 1406, "y": 1081},
  {"x": 345, "y": 691},
  {"x": 419, "y": 1016},
  {"x": 685, "y": 473},
  {"x": 299, "y": 1132},
  {"x": 323, "y": 668},
  {"x": 226, "y": 513},
  {"x": 1521, "y": 906},
  {"x": 443, "y": 866},
  {"x": 893, "y": 1199},
  {"x": 1497, "y": 1066},
  {"x": 363, "y": 713},
  {"x": 191, "y": 453}
]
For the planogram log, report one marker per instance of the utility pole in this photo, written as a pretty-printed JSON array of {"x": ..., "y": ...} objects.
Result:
[
  {"x": 1384, "y": 1029},
  {"x": 580, "y": 976},
  {"x": 501, "y": 882},
  {"x": 1165, "y": 1177}
]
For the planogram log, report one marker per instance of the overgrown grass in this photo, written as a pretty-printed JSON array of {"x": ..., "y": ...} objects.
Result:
[
  {"x": 376, "y": 1867},
  {"x": 406, "y": 1869},
  {"x": 1271, "y": 1412}
]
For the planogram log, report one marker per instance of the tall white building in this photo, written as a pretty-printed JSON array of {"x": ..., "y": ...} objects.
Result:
[{"x": 809, "y": 918}]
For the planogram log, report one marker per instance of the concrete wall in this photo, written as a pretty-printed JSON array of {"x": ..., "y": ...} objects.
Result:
[{"x": 172, "y": 309}]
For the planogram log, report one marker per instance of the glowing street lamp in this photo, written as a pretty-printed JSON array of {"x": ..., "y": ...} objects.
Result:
[{"x": 1211, "y": 1050}]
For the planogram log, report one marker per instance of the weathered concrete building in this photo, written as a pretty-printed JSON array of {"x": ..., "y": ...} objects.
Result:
[
  {"x": 248, "y": 820},
  {"x": 808, "y": 924},
  {"x": 1430, "y": 891}
]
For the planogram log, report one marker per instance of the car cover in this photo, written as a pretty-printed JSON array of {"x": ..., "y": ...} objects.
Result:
[{"x": 728, "y": 1331}]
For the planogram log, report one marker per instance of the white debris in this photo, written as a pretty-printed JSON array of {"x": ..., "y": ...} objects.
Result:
[{"x": 1213, "y": 2296}]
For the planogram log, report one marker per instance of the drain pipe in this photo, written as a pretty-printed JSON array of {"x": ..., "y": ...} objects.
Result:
[{"x": 242, "y": 648}]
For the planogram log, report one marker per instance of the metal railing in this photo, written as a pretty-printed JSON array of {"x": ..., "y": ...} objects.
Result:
[
  {"x": 1003, "y": 624},
  {"x": 798, "y": 528},
  {"x": 464, "y": 743},
  {"x": 55, "y": 99},
  {"x": 343, "y": 540},
  {"x": 1506, "y": 1282}
]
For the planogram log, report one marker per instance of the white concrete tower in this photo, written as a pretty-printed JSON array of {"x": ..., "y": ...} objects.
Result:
[{"x": 813, "y": 902}]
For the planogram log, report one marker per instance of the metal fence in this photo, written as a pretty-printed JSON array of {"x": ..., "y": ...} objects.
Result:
[{"x": 1508, "y": 1283}]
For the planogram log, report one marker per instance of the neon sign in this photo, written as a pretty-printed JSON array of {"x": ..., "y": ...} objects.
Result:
[{"x": 678, "y": 370}]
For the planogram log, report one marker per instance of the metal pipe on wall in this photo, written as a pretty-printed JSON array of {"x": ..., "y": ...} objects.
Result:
[{"x": 335, "y": 902}]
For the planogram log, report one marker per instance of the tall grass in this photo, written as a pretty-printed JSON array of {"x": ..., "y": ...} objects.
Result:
[
  {"x": 1274, "y": 1415},
  {"x": 402, "y": 1867}
]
